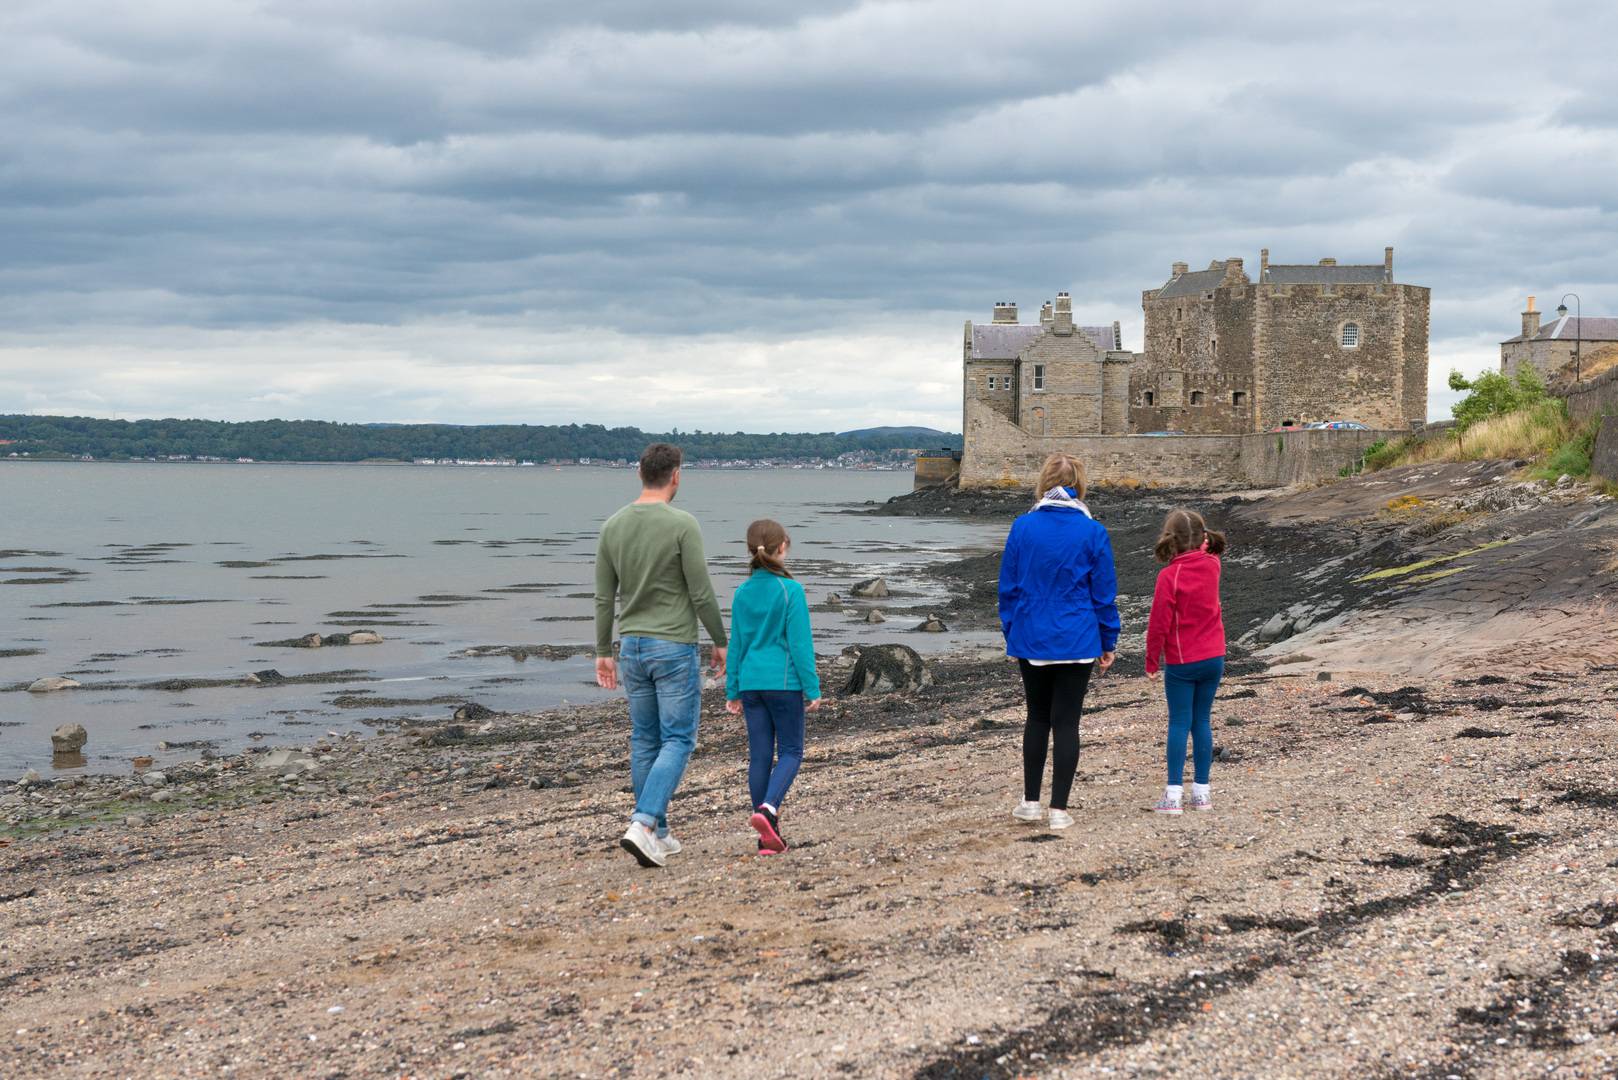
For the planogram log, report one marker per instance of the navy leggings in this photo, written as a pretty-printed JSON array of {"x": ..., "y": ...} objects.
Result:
[
  {"x": 1190, "y": 689},
  {"x": 774, "y": 743}
]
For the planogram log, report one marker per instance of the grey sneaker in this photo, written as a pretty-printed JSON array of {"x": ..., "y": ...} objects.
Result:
[
  {"x": 1166, "y": 805},
  {"x": 671, "y": 844},
  {"x": 1028, "y": 811},
  {"x": 1202, "y": 802},
  {"x": 642, "y": 843},
  {"x": 1061, "y": 819}
]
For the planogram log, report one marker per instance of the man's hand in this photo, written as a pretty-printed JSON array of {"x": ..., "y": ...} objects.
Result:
[
  {"x": 606, "y": 673},
  {"x": 1107, "y": 658},
  {"x": 734, "y": 708},
  {"x": 718, "y": 661},
  {"x": 813, "y": 704}
]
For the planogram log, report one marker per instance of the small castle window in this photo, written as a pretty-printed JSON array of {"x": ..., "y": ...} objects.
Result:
[
  {"x": 1149, "y": 398},
  {"x": 1196, "y": 397},
  {"x": 1179, "y": 346},
  {"x": 1351, "y": 335},
  {"x": 1238, "y": 398},
  {"x": 1213, "y": 348},
  {"x": 1039, "y": 376}
]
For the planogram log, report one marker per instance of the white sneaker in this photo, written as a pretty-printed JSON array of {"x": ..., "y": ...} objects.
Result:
[
  {"x": 1061, "y": 819},
  {"x": 642, "y": 843},
  {"x": 671, "y": 845},
  {"x": 1028, "y": 811}
]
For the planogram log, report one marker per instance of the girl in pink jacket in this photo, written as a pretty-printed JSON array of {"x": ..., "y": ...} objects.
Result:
[{"x": 1185, "y": 637}]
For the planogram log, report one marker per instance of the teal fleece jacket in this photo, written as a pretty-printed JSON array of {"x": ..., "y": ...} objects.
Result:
[{"x": 770, "y": 643}]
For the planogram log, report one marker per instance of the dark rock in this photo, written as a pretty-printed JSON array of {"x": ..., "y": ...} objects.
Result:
[
  {"x": 933, "y": 625},
  {"x": 473, "y": 711},
  {"x": 870, "y": 589},
  {"x": 269, "y": 676},
  {"x": 883, "y": 669}
]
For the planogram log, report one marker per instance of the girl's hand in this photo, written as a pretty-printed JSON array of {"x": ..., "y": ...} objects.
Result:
[
  {"x": 1107, "y": 658},
  {"x": 734, "y": 708},
  {"x": 1154, "y": 675},
  {"x": 812, "y": 705}
]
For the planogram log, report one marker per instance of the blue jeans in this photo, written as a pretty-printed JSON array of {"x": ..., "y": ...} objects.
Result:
[
  {"x": 774, "y": 743},
  {"x": 1190, "y": 689},
  {"x": 664, "y": 682}
]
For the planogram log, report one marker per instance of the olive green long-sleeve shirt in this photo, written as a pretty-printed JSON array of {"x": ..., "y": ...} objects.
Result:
[{"x": 651, "y": 556}]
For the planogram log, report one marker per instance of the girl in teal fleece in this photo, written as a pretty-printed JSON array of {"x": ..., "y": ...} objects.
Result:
[{"x": 770, "y": 676}]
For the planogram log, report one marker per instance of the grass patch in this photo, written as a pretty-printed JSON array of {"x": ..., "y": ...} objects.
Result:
[
  {"x": 1415, "y": 567},
  {"x": 1436, "y": 574}
]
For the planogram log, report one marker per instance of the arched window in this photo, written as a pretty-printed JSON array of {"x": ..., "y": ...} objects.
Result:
[{"x": 1350, "y": 337}]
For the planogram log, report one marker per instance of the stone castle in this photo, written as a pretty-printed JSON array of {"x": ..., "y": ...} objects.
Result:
[{"x": 1224, "y": 355}]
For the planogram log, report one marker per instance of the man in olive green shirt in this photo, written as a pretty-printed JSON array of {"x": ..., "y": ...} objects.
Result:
[{"x": 650, "y": 561}]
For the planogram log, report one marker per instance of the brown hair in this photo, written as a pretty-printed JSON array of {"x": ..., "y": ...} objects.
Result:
[
  {"x": 1183, "y": 531},
  {"x": 1060, "y": 470},
  {"x": 657, "y": 464},
  {"x": 764, "y": 540}
]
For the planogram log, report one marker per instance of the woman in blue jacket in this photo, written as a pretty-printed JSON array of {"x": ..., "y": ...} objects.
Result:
[
  {"x": 1059, "y": 612},
  {"x": 771, "y": 676}
]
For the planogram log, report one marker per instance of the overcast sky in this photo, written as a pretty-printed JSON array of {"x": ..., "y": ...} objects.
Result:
[{"x": 744, "y": 214}]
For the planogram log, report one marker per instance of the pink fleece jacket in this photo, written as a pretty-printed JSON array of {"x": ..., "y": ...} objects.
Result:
[{"x": 1186, "y": 624}]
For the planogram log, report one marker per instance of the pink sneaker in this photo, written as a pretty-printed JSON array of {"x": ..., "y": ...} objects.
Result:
[
  {"x": 1202, "y": 802},
  {"x": 1167, "y": 806}
]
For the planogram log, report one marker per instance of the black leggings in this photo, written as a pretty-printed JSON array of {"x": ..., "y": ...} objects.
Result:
[{"x": 1055, "y": 695}]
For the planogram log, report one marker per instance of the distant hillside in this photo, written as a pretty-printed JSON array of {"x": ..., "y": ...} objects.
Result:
[
  {"x": 923, "y": 436},
  {"x": 320, "y": 440}
]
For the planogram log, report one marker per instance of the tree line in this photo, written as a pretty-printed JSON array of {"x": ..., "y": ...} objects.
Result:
[{"x": 321, "y": 440}]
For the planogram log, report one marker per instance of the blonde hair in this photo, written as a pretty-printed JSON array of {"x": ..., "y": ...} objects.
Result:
[
  {"x": 1060, "y": 470},
  {"x": 764, "y": 540},
  {"x": 1183, "y": 531}
]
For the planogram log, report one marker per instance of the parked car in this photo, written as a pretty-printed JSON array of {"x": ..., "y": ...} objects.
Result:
[
  {"x": 1290, "y": 425},
  {"x": 1338, "y": 425},
  {"x": 1161, "y": 434}
]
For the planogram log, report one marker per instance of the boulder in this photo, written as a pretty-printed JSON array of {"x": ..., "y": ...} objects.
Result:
[
  {"x": 1277, "y": 628},
  {"x": 69, "y": 739},
  {"x": 154, "y": 779},
  {"x": 834, "y": 602},
  {"x": 311, "y": 641},
  {"x": 875, "y": 616},
  {"x": 30, "y": 779},
  {"x": 270, "y": 676},
  {"x": 870, "y": 589},
  {"x": 473, "y": 711},
  {"x": 51, "y": 683},
  {"x": 364, "y": 637},
  {"x": 884, "y": 669},
  {"x": 288, "y": 762},
  {"x": 933, "y": 625}
]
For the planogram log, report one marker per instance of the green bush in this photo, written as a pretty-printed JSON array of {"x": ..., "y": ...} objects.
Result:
[{"x": 1494, "y": 394}]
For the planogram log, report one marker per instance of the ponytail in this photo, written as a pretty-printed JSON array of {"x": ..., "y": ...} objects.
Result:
[
  {"x": 1183, "y": 531},
  {"x": 764, "y": 540}
]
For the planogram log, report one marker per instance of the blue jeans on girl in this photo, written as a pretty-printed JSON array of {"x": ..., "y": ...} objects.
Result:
[
  {"x": 1190, "y": 689},
  {"x": 663, "y": 680},
  {"x": 774, "y": 743}
]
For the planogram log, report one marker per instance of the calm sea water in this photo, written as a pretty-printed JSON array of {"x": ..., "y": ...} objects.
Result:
[{"x": 134, "y": 573}]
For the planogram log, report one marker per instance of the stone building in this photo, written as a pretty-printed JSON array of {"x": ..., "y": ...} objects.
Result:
[
  {"x": 1049, "y": 378},
  {"x": 1551, "y": 348},
  {"x": 1225, "y": 355}
]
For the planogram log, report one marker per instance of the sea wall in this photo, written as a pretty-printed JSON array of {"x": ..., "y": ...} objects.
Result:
[
  {"x": 1594, "y": 397},
  {"x": 1001, "y": 453},
  {"x": 935, "y": 469}
]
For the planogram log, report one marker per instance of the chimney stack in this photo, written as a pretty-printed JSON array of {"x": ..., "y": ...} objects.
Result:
[
  {"x": 1062, "y": 315},
  {"x": 1177, "y": 269},
  {"x": 1233, "y": 272},
  {"x": 1387, "y": 263},
  {"x": 1530, "y": 320},
  {"x": 1263, "y": 262},
  {"x": 1328, "y": 262},
  {"x": 1045, "y": 315},
  {"x": 1005, "y": 311},
  {"x": 1117, "y": 336}
]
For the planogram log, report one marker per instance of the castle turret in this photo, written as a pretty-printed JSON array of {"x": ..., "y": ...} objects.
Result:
[
  {"x": 1005, "y": 311},
  {"x": 1062, "y": 315}
]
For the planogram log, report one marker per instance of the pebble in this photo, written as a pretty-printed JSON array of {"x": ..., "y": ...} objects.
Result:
[{"x": 136, "y": 821}]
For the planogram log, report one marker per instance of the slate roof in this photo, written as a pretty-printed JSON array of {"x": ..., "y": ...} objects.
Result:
[
  {"x": 1589, "y": 328},
  {"x": 1006, "y": 341},
  {"x": 1195, "y": 283},
  {"x": 1305, "y": 274}
]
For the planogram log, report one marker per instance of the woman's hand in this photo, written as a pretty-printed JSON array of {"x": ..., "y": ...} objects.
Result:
[
  {"x": 1107, "y": 658},
  {"x": 812, "y": 705},
  {"x": 734, "y": 708},
  {"x": 1154, "y": 675}
]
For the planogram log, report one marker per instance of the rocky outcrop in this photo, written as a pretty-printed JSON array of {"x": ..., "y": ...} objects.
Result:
[
  {"x": 874, "y": 616},
  {"x": 933, "y": 624},
  {"x": 886, "y": 669},
  {"x": 870, "y": 589},
  {"x": 52, "y": 683}
]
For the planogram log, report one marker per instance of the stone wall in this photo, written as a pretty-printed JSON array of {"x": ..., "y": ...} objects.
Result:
[
  {"x": 935, "y": 469},
  {"x": 1001, "y": 453},
  {"x": 1604, "y": 462},
  {"x": 1594, "y": 397}
]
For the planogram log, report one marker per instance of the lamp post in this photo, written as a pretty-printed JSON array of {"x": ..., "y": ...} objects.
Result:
[{"x": 1578, "y": 330}]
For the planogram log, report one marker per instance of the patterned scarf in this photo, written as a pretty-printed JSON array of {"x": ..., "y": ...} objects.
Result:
[{"x": 1064, "y": 496}]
